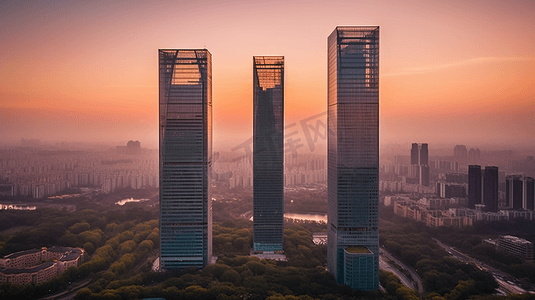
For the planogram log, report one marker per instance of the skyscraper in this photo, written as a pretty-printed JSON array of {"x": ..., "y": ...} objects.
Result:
[
  {"x": 185, "y": 158},
  {"x": 420, "y": 163},
  {"x": 414, "y": 154},
  {"x": 424, "y": 155},
  {"x": 424, "y": 175},
  {"x": 353, "y": 156},
  {"x": 490, "y": 188},
  {"x": 514, "y": 192},
  {"x": 474, "y": 186},
  {"x": 268, "y": 154}
]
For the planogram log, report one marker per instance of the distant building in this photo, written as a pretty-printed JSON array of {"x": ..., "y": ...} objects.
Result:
[
  {"x": 414, "y": 154},
  {"x": 514, "y": 192},
  {"x": 7, "y": 190},
  {"x": 474, "y": 154},
  {"x": 518, "y": 247},
  {"x": 474, "y": 186},
  {"x": 424, "y": 155},
  {"x": 132, "y": 147},
  {"x": 422, "y": 212},
  {"x": 420, "y": 163},
  {"x": 457, "y": 177},
  {"x": 445, "y": 166},
  {"x": 451, "y": 190},
  {"x": 460, "y": 152},
  {"x": 424, "y": 175},
  {"x": 490, "y": 188},
  {"x": 30, "y": 143}
]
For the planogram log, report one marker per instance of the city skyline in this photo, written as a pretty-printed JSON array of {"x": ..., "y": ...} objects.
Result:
[{"x": 83, "y": 86}]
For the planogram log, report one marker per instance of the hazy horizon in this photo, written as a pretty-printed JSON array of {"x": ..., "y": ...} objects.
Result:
[{"x": 450, "y": 73}]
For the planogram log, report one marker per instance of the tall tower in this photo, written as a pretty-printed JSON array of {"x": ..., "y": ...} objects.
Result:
[
  {"x": 185, "y": 158},
  {"x": 420, "y": 163},
  {"x": 424, "y": 155},
  {"x": 514, "y": 192},
  {"x": 268, "y": 154},
  {"x": 353, "y": 156},
  {"x": 414, "y": 154},
  {"x": 474, "y": 186},
  {"x": 490, "y": 189}
]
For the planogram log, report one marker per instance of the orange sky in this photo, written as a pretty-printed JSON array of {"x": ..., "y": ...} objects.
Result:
[{"x": 460, "y": 72}]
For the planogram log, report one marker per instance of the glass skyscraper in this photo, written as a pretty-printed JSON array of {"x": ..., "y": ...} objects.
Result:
[
  {"x": 490, "y": 188},
  {"x": 353, "y": 156},
  {"x": 268, "y": 134},
  {"x": 185, "y": 83}
]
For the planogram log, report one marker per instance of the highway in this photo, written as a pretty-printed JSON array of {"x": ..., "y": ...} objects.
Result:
[
  {"x": 384, "y": 265},
  {"x": 70, "y": 293},
  {"x": 384, "y": 257},
  {"x": 505, "y": 281}
]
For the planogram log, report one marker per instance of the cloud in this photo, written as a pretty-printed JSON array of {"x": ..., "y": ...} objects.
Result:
[{"x": 471, "y": 61}]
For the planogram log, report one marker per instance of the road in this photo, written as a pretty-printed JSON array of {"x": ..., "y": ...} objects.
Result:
[
  {"x": 385, "y": 256},
  {"x": 384, "y": 265},
  {"x": 67, "y": 295},
  {"x": 504, "y": 280}
]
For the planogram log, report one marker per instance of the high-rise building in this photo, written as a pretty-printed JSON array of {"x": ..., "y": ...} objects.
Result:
[
  {"x": 185, "y": 158},
  {"x": 424, "y": 175},
  {"x": 353, "y": 156},
  {"x": 529, "y": 193},
  {"x": 474, "y": 154},
  {"x": 490, "y": 189},
  {"x": 414, "y": 154},
  {"x": 268, "y": 154},
  {"x": 424, "y": 155},
  {"x": 474, "y": 186},
  {"x": 459, "y": 151},
  {"x": 420, "y": 163},
  {"x": 514, "y": 192}
]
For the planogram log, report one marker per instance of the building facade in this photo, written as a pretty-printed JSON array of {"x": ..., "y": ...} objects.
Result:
[
  {"x": 414, "y": 154},
  {"x": 516, "y": 246},
  {"x": 185, "y": 108},
  {"x": 424, "y": 155},
  {"x": 420, "y": 163},
  {"x": 474, "y": 186},
  {"x": 268, "y": 153},
  {"x": 490, "y": 188},
  {"x": 514, "y": 192},
  {"x": 36, "y": 266},
  {"x": 353, "y": 155}
]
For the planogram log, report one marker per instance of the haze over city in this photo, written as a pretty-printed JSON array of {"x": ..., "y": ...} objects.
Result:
[{"x": 450, "y": 72}]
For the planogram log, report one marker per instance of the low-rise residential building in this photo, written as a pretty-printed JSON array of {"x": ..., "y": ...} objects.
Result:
[
  {"x": 516, "y": 246},
  {"x": 36, "y": 266},
  {"x": 419, "y": 212}
]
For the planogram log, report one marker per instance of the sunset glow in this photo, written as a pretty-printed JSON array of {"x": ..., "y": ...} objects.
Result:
[{"x": 450, "y": 72}]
